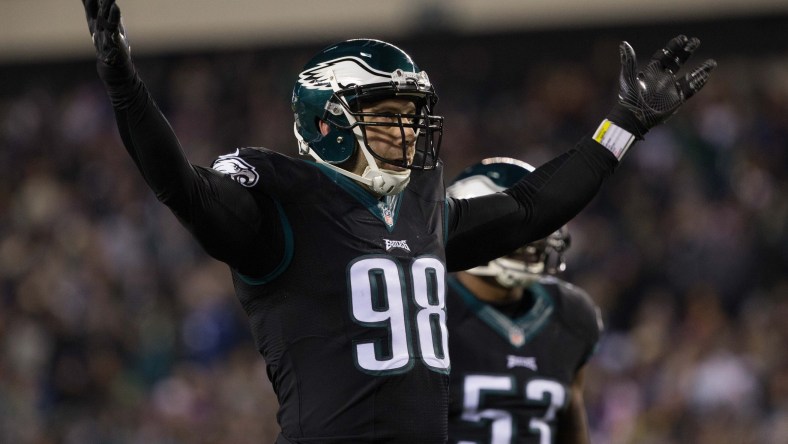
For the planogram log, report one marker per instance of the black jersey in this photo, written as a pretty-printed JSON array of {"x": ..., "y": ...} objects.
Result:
[
  {"x": 511, "y": 375},
  {"x": 352, "y": 324}
]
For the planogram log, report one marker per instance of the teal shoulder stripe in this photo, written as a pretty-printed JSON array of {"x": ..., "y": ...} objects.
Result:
[
  {"x": 538, "y": 316},
  {"x": 470, "y": 300},
  {"x": 518, "y": 332},
  {"x": 445, "y": 221},
  {"x": 288, "y": 256},
  {"x": 349, "y": 185}
]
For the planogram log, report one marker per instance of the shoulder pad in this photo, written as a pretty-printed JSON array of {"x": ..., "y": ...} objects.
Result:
[{"x": 578, "y": 311}]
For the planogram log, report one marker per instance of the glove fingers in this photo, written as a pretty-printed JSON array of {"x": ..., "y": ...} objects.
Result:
[
  {"x": 114, "y": 16},
  {"x": 91, "y": 10},
  {"x": 108, "y": 16},
  {"x": 676, "y": 52},
  {"x": 105, "y": 6},
  {"x": 628, "y": 62},
  {"x": 682, "y": 47},
  {"x": 694, "y": 81}
]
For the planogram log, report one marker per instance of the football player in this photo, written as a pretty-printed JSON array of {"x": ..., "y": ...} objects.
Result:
[
  {"x": 340, "y": 260},
  {"x": 519, "y": 337}
]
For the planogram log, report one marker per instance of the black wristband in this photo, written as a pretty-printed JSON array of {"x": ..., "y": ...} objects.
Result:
[{"x": 626, "y": 119}]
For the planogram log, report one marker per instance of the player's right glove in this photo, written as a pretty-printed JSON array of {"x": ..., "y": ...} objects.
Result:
[
  {"x": 106, "y": 30},
  {"x": 649, "y": 96}
]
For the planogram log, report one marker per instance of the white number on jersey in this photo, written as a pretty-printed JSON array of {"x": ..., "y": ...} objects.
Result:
[
  {"x": 550, "y": 394},
  {"x": 379, "y": 299}
]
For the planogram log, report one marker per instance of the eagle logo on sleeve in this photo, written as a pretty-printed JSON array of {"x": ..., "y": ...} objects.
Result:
[{"x": 238, "y": 169}]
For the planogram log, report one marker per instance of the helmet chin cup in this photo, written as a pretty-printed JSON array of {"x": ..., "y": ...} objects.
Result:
[
  {"x": 512, "y": 280},
  {"x": 510, "y": 273},
  {"x": 385, "y": 182}
]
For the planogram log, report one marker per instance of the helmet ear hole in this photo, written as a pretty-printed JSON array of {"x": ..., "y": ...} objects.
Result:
[{"x": 323, "y": 126}]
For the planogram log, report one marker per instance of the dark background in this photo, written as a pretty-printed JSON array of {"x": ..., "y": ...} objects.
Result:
[{"x": 116, "y": 328}]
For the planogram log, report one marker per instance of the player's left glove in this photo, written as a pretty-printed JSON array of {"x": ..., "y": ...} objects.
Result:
[
  {"x": 106, "y": 30},
  {"x": 647, "y": 97}
]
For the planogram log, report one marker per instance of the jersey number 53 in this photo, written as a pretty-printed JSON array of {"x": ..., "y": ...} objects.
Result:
[{"x": 543, "y": 393}]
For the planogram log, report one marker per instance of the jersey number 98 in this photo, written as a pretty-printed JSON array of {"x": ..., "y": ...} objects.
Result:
[{"x": 379, "y": 299}]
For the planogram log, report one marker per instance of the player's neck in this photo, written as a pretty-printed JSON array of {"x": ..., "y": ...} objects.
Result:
[{"x": 487, "y": 289}]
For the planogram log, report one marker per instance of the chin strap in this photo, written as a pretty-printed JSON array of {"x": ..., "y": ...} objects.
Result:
[
  {"x": 510, "y": 273},
  {"x": 380, "y": 181}
]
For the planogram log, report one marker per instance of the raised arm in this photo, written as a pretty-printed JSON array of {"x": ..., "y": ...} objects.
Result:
[
  {"x": 487, "y": 227},
  {"x": 224, "y": 217},
  {"x": 484, "y": 228}
]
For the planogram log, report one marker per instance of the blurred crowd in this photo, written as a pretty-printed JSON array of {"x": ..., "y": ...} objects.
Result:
[{"x": 116, "y": 328}]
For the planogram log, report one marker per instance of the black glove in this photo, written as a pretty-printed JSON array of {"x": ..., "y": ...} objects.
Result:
[
  {"x": 647, "y": 98},
  {"x": 106, "y": 29}
]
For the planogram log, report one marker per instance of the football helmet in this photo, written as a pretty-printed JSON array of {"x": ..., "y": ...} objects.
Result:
[
  {"x": 334, "y": 86},
  {"x": 529, "y": 263}
]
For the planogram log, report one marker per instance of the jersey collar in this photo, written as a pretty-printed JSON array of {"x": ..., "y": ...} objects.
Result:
[
  {"x": 385, "y": 209},
  {"x": 518, "y": 331}
]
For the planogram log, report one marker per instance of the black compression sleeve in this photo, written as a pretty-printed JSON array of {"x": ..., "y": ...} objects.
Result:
[
  {"x": 223, "y": 216},
  {"x": 484, "y": 228},
  {"x": 147, "y": 136}
]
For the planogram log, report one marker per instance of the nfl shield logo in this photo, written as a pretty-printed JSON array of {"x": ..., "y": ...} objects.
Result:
[
  {"x": 516, "y": 337},
  {"x": 387, "y": 217}
]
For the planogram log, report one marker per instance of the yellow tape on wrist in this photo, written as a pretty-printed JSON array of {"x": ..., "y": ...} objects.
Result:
[{"x": 616, "y": 139}]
